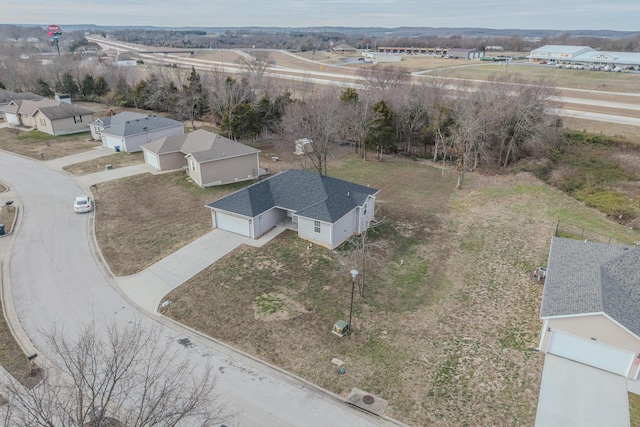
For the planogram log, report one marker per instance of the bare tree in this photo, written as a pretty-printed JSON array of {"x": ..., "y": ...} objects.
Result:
[
  {"x": 255, "y": 65},
  {"x": 127, "y": 378},
  {"x": 321, "y": 120},
  {"x": 367, "y": 251},
  {"x": 384, "y": 78}
]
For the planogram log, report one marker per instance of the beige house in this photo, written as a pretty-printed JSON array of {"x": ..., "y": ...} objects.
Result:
[
  {"x": 209, "y": 159},
  {"x": 591, "y": 305},
  {"x": 19, "y": 112},
  {"x": 63, "y": 119}
]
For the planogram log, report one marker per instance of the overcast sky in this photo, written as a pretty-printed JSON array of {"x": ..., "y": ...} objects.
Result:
[{"x": 518, "y": 14}]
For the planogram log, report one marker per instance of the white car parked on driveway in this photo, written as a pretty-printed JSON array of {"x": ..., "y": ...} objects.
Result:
[{"x": 83, "y": 204}]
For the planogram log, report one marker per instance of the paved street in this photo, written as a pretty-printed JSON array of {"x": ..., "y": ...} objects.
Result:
[{"x": 55, "y": 278}]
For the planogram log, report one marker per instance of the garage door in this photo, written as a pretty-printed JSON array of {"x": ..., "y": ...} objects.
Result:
[
  {"x": 151, "y": 159},
  {"x": 233, "y": 223},
  {"x": 591, "y": 353},
  {"x": 111, "y": 142}
]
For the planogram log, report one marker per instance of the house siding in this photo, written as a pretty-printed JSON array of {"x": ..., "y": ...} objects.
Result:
[
  {"x": 226, "y": 170},
  {"x": 267, "y": 221},
  {"x": 67, "y": 125},
  {"x": 171, "y": 161},
  {"x": 132, "y": 143},
  {"x": 597, "y": 326},
  {"x": 345, "y": 227},
  {"x": 306, "y": 231}
]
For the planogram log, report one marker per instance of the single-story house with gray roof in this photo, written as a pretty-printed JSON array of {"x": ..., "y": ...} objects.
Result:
[
  {"x": 324, "y": 210},
  {"x": 591, "y": 305},
  {"x": 208, "y": 158},
  {"x": 129, "y": 131},
  {"x": 62, "y": 119}
]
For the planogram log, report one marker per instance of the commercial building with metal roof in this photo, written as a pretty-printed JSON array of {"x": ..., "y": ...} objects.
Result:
[{"x": 584, "y": 55}]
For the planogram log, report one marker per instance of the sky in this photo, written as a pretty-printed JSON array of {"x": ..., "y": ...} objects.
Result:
[{"x": 621, "y": 15}]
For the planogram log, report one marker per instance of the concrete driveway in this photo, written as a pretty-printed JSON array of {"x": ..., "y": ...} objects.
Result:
[{"x": 573, "y": 394}]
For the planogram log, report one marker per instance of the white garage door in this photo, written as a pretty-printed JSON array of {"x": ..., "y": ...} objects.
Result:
[
  {"x": 151, "y": 159},
  {"x": 111, "y": 142},
  {"x": 591, "y": 353},
  {"x": 233, "y": 223}
]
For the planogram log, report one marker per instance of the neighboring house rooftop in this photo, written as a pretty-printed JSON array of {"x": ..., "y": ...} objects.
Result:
[
  {"x": 27, "y": 107},
  {"x": 306, "y": 193},
  {"x": 7, "y": 96},
  {"x": 63, "y": 110},
  {"x": 201, "y": 145},
  {"x": 588, "y": 277},
  {"x": 119, "y": 118},
  {"x": 139, "y": 125}
]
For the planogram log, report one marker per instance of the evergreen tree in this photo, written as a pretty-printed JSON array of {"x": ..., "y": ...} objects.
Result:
[
  {"x": 100, "y": 86},
  {"x": 382, "y": 133},
  {"x": 43, "y": 88}
]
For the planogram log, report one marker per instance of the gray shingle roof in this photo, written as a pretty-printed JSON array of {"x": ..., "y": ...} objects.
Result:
[
  {"x": 125, "y": 124},
  {"x": 7, "y": 96},
  {"x": 306, "y": 193},
  {"x": 118, "y": 118},
  {"x": 64, "y": 110},
  {"x": 588, "y": 277},
  {"x": 202, "y": 145}
]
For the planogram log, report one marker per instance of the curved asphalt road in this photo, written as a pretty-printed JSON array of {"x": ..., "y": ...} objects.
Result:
[{"x": 55, "y": 278}]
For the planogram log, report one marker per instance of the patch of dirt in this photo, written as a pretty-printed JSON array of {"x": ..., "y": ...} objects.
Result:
[{"x": 276, "y": 307}]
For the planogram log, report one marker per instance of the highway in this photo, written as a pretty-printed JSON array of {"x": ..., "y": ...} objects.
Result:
[{"x": 579, "y": 103}]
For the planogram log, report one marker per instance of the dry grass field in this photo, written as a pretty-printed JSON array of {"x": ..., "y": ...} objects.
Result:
[
  {"x": 116, "y": 160},
  {"x": 444, "y": 334},
  {"x": 42, "y": 146},
  {"x": 143, "y": 218}
]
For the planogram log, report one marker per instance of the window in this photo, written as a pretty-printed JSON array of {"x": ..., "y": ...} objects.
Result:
[
  {"x": 77, "y": 120},
  {"x": 193, "y": 165},
  {"x": 365, "y": 207},
  {"x": 42, "y": 122},
  {"x": 316, "y": 226}
]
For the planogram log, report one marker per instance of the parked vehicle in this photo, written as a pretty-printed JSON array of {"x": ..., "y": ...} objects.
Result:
[{"x": 83, "y": 204}]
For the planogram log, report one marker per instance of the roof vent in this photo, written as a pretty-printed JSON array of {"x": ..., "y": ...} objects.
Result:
[{"x": 347, "y": 194}]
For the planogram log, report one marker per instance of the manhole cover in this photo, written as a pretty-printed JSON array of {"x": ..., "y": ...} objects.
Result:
[{"x": 368, "y": 399}]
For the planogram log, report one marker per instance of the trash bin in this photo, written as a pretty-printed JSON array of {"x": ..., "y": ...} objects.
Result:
[
  {"x": 117, "y": 147},
  {"x": 1, "y": 229}
]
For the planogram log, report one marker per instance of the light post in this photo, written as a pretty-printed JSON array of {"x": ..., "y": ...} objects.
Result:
[{"x": 354, "y": 274}]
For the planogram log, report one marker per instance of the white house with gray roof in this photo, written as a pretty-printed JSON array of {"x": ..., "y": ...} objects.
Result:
[
  {"x": 128, "y": 131},
  {"x": 591, "y": 305},
  {"x": 208, "y": 158},
  {"x": 324, "y": 210}
]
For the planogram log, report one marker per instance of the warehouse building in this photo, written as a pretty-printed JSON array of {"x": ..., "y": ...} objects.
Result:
[{"x": 585, "y": 56}]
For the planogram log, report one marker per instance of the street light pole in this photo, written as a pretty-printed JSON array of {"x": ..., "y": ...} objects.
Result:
[{"x": 354, "y": 274}]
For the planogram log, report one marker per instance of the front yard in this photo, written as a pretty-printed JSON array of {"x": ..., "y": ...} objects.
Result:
[
  {"x": 444, "y": 334},
  {"x": 42, "y": 146}
]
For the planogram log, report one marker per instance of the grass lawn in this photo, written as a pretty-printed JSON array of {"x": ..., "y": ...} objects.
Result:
[
  {"x": 42, "y": 146},
  {"x": 7, "y": 217},
  {"x": 443, "y": 334},
  {"x": 576, "y": 79},
  {"x": 634, "y": 409},
  {"x": 116, "y": 160},
  {"x": 143, "y": 218}
]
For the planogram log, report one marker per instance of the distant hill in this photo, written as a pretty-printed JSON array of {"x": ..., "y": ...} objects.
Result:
[{"x": 368, "y": 31}]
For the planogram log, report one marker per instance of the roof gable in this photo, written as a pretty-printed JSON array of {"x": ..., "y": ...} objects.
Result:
[
  {"x": 63, "y": 110},
  {"x": 588, "y": 277},
  {"x": 201, "y": 145},
  {"x": 306, "y": 193}
]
